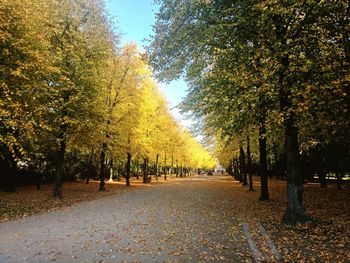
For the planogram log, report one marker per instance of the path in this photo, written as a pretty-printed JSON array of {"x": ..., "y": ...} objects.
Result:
[{"x": 185, "y": 221}]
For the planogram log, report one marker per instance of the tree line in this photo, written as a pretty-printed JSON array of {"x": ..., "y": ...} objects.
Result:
[
  {"x": 76, "y": 104},
  {"x": 269, "y": 84}
]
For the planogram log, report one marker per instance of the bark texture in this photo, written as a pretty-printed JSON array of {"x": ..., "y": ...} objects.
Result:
[
  {"x": 103, "y": 167},
  {"x": 145, "y": 169},
  {"x": 249, "y": 165},
  {"x": 243, "y": 167},
  {"x": 57, "y": 188},
  {"x": 295, "y": 212},
  {"x": 264, "y": 190},
  {"x": 128, "y": 167}
]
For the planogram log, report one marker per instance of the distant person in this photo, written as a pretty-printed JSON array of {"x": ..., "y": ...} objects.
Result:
[{"x": 222, "y": 172}]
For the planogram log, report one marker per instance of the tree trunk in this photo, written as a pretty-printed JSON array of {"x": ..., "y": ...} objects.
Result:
[
  {"x": 38, "y": 181},
  {"x": 275, "y": 159},
  {"x": 128, "y": 166},
  {"x": 236, "y": 170},
  {"x": 13, "y": 175},
  {"x": 230, "y": 168},
  {"x": 137, "y": 169},
  {"x": 145, "y": 169},
  {"x": 103, "y": 167},
  {"x": 172, "y": 166},
  {"x": 339, "y": 176},
  {"x": 242, "y": 164},
  {"x": 88, "y": 174},
  {"x": 38, "y": 176},
  {"x": 57, "y": 189},
  {"x": 323, "y": 179},
  {"x": 249, "y": 168},
  {"x": 165, "y": 169},
  {"x": 156, "y": 166},
  {"x": 264, "y": 191},
  {"x": 111, "y": 171},
  {"x": 322, "y": 173},
  {"x": 295, "y": 212},
  {"x": 118, "y": 175},
  {"x": 339, "y": 181},
  {"x": 9, "y": 169},
  {"x": 269, "y": 167}
]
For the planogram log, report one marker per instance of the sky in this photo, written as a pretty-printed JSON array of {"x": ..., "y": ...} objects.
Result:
[{"x": 134, "y": 20}]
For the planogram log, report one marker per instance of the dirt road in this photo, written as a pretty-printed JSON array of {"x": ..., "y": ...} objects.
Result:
[{"x": 195, "y": 219}]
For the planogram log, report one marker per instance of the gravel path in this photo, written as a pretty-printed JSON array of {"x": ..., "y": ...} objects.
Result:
[{"x": 190, "y": 220}]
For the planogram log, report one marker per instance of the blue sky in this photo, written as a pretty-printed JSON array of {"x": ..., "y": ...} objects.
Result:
[{"x": 134, "y": 20}]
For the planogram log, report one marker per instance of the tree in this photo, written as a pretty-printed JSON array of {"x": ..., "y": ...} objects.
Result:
[
  {"x": 261, "y": 56},
  {"x": 25, "y": 65},
  {"x": 73, "y": 102},
  {"x": 79, "y": 42}
]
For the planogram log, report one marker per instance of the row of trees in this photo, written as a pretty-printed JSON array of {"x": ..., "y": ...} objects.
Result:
[
  {"x": 73, "y": 103},
  {"x": 275, "y": 72}
]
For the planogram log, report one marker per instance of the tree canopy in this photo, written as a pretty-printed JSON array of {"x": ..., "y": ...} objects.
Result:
[
  {"x": 74, "y": 103},
  {"x": 282, "y": 68}
]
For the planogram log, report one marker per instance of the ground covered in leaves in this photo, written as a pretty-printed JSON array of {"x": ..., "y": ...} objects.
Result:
[
  {"x": 325, "y": 239},
  {"x": 26, "y": 201},
  {"x": 196, "y": 219}
]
